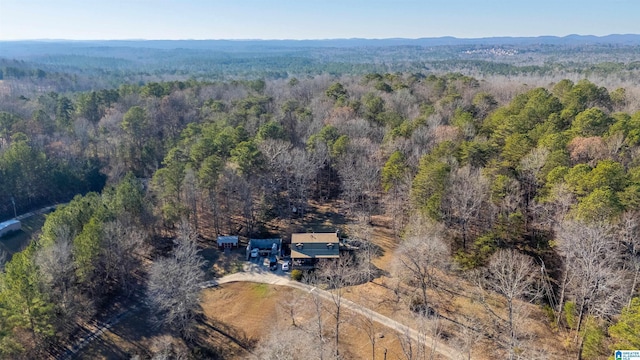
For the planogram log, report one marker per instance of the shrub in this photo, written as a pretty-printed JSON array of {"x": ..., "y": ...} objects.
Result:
[
  {"x": 570, "y": 314},
  {"x": 296, "y": 275}
]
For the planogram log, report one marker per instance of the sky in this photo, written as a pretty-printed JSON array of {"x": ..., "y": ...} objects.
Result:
[{"x": 312, "y": 19}]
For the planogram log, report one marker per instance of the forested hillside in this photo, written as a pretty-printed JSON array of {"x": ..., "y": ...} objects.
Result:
[
  {"x": 500, "y": 180},
  {"x": 64, "y": 66}
]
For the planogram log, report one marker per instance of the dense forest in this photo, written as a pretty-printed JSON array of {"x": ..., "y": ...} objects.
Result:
[
  {"x": 28, "y": 66},
  {"x": 491, "y": 171}
]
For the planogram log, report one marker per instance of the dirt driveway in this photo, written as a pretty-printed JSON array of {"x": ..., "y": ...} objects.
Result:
[{"x": 259, "y": 274}]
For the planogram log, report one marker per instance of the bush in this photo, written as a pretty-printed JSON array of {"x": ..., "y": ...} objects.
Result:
[
  {"x": 296, "y": 275},
  {"x": 593, "y": 337},
  {"x": 570, "y": 314}
]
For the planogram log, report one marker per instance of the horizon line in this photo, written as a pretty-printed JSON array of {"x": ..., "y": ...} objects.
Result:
[{"x": 326, "y": 39}]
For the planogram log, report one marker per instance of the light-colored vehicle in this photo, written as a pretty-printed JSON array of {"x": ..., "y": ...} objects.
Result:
[
  {"x": 285, "y": 266},
  {"x": 254, "y": 253},
  {"x": 9, "y": 226}
]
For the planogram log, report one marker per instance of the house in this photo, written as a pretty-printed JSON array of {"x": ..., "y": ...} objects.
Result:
[
  {"x": 9, "y": 226},
  {"x": 308, "y": 248},
  {"x": 265, "y": 247},
  {"x": 227, "y": 242}
]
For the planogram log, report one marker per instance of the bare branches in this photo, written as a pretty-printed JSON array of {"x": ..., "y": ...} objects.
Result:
[
  {"x": 468, "y": 193},
  {"x": 629, "y": 230},
  {"x": 173, "y": 287},
  {"x": 122, "y": 249},
  {"x": 593, "y": 264},
  {"x": 512, "y": 275},
  {"x": 290, "y": 344},
  {"x": 419, "y": 258},
  {"x": 338, "y": 273}
]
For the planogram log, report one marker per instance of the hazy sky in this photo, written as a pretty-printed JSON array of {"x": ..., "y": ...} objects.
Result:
[{"x": 312, "y": 19}]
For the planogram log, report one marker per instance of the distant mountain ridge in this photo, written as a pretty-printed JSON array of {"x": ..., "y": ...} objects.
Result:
[
  {"x": 614, "y": 39},
  {"x": 116, "y": 61}
]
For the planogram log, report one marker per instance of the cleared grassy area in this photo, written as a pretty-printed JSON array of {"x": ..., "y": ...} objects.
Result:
[
  {"x": 261, "y": 290},
  {"x": 235, "y": 317},
  {"x": 19, "y": 240}
]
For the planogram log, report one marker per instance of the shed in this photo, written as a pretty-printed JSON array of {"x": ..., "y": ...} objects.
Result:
[
  {"x": 226, "y": 242},
  {"x": 9, "y": 226}
]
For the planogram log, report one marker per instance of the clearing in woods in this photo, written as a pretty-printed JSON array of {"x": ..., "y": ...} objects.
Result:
[{"x": 238, "y": 315}]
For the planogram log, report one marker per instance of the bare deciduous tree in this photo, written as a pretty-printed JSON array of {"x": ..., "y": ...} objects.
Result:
[
  {"x": 191, "y": 195},
  {"x": 59, "y": 281},
  {"x": 629, "y": 230},
  {"x": 123, "y": 246},
  {"x": 530, "y": 167},
  {"x": 338, "y": 274},
  {"x": 317, "y": 324},
  {"x": 290, "y": 344},
  {"x": 360, "y": 233},
  {"x": 173, "y": 288},
  {"x": 592, "y": 265},
  {"x": 418, "y": 346},
  {"x": 429, "y": 328},
  {"x": 290, "y": 307},
  {"x": 360, "y": 179},
  {"x": 467, "y": 337},
  {"x": 407, "y": 344},
  {"x": 419, "y": 258},
  {"x": 167, "y": 348},
  {"x": 467, "y": 194},
  {"x": 366, "y": 321},
  {"x": 303, "y": 167},
  {"x": 512, "y": 275},
  {"x": 550, "y": 214}
]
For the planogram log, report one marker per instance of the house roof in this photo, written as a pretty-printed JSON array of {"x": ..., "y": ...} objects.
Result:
[
  {"x": 314, "y": 238},
  {"x": 315, "y": 245}
]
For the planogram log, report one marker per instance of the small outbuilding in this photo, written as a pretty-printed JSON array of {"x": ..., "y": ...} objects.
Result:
[
  {"x": 9, "y": 226},
  {"x": 227, "y": 242}
]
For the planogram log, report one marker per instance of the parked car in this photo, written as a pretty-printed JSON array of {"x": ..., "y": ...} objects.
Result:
[
  {"x": 273, "y": 263},
  {"x": 285, "y": 266},
  {"x": 254, "y": 253}
]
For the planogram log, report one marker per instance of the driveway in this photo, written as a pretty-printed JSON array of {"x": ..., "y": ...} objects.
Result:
[{"x": 258, "y": 274}]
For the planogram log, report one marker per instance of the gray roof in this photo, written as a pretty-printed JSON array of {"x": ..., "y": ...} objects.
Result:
[
  {"x": 315, "y": 250},
  {"x": 264, "y": 244},
  {"x": 227, "y": 239}
]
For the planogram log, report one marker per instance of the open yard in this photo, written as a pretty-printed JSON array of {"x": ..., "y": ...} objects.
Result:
[{"x": 236, "y": 317}]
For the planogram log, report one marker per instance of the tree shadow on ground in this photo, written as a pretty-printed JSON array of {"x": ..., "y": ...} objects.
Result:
[
  {"x": 124, "y": 339},
  {"x": 222, "y": 340},
  {"x": 222, "y": 262}
]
